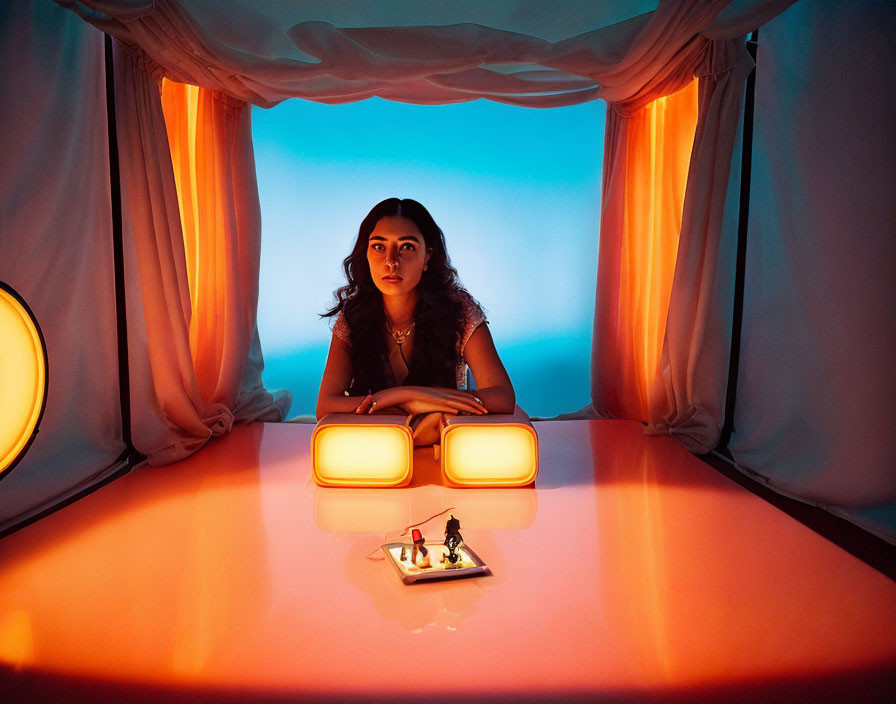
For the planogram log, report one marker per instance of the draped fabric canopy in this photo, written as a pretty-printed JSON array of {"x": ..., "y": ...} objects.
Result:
[
  {"x": 198, "y": 293},
  {"x": 523, "y": 52}
]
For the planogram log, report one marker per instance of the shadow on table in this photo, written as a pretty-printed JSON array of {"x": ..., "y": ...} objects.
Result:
[{"x": 875, "y": 684}]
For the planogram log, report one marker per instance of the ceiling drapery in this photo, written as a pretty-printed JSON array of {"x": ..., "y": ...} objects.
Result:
[{"x": 523, "y": 52}]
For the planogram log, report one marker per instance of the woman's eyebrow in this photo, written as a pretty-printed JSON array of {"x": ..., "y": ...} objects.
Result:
[{"x": 412, "y": 238}]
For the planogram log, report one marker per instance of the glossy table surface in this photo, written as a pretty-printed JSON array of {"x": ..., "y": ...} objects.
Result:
[{"x": 631, "y": 571}]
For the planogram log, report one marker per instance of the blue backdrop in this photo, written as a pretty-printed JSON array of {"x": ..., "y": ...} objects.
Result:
[{"x": 516, "y": 191}]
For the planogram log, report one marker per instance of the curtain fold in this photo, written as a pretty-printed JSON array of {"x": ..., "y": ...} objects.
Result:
[
  {"x": 210, "y": 138},
  {"x": 663, "y": 306},
  {"x": 646, "y": 163},
  {"x": 198, "y": 348},
  {"x": 687, "y": 394}
]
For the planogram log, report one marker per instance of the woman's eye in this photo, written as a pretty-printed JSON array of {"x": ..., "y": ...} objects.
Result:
[
  {"x": 408, "y": 247},
  {"x": 377, "y": 247}
]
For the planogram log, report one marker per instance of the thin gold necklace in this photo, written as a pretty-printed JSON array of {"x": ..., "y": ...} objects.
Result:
[{"x": 399, "y": 336}]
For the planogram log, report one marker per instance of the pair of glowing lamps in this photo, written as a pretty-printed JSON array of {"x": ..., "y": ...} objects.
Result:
[
  {"x": 378, "y": 451},
  {"x": 23, "y": 378}
]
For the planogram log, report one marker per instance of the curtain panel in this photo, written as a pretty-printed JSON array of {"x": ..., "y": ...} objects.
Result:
[
  {"x": 202, "y": 371},
  {"x": 646, "y": 160},
  {"x": 663, "y": 307},
  {"x": 816, "y": 385},
  {"x": 210, "y": 138},
  {"x": 687, "y": 394}
]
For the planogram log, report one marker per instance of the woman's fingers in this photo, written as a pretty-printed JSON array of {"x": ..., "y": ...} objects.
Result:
[
  {"x": 444, "y": 401},
  {"x": 479, "y": 404},
  {"x": 440, "y": 406},
  {"x": 427, "y": 430},
  {"x": 467, "y": 402},
  {"x": 365, "y": 404},
  {"x": 475, "y": 402},
  {"x": 468, "y": 405}
]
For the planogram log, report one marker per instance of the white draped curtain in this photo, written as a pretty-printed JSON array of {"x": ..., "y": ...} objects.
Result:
[
  {"x": 198, "y": 302},
  {"x": 687, "y": 398},
  {"x": 816, "y": 384}
]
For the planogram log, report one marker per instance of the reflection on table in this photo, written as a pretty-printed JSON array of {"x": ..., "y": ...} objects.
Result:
[{"x": 631, "y": 570}]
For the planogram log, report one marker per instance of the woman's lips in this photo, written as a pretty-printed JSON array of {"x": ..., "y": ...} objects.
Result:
[{"x": 392, "y": 279}]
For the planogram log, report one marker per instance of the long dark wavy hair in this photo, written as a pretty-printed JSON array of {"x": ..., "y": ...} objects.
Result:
[{"x": 437, "y": 315}]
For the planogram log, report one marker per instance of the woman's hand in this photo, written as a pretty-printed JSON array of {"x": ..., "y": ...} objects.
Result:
[
  {"x": 427, "y": 429},
  {"x": 423, "y": 399},
  {"x": 369, "y": 405},
  {"x": 434, "y": 400}
]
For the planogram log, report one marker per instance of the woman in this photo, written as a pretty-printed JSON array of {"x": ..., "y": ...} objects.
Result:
[{"x": 406, "y": 328}]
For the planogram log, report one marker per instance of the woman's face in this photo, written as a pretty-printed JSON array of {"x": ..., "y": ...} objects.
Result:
[{"x": 396, "y": 254}]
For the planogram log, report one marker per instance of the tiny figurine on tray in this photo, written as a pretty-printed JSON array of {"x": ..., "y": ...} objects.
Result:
[
  {"x": 419, "y": 546},
  {"x": 453, "y": 540},
  {"x": 415, "y": 563}
]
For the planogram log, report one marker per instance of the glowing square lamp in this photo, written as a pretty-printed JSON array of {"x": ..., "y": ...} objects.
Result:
[
  {"x": 23, "y": 378},
  {"x": 362, "y": 450},
  {"x": 489, "y": 450}
]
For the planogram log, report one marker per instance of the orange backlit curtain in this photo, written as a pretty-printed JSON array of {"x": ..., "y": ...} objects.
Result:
[
  {"x": 662, "y": 311},
  {"x": 193, "y": 211},
  {"x": 211, "y": 152},
  {"x": 687, "y": 396},
  {"x": 639, "y": 239}
]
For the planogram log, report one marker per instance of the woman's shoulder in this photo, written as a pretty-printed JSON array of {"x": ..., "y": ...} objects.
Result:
[
  {"x": 341, "y": 329},
  {"x": 472, "y": 316},
  {"x": 471, "y": 310}
]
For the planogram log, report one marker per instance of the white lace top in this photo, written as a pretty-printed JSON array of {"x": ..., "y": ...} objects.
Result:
[{"x": 473, "y": 316}]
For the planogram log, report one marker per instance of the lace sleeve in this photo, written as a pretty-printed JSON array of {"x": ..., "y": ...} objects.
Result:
[
  {"x": 474, "y": 316},
  {"x": 341, "y": 330}
]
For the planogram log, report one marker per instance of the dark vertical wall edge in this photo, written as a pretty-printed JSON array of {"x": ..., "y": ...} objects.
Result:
[
  {"x": 124, "y": 385},
  {"x": 741, "y": 262}
]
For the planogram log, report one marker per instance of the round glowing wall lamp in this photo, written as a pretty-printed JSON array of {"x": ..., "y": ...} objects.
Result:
[{"x": 23, "y": 378}]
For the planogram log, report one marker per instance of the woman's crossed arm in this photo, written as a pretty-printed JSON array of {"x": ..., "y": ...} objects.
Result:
[{"x": 495, "y": 394}]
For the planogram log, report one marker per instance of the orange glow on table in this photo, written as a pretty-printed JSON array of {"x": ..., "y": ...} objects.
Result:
[{"x": 229, "y": 573}]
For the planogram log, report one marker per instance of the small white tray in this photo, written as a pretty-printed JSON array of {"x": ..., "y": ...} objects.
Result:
[{"x": 470, "y": 564}]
